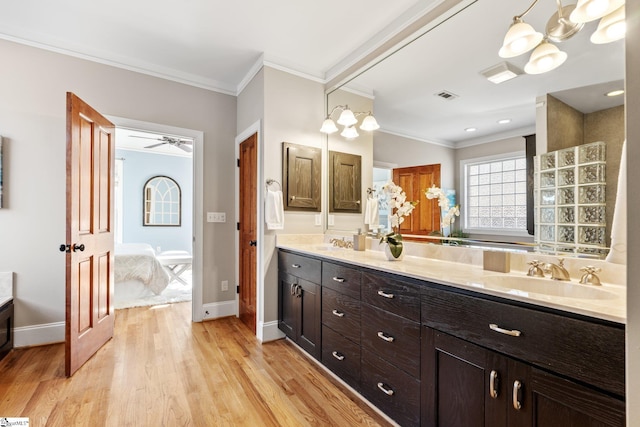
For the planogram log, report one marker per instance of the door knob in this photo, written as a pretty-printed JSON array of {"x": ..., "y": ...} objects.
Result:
[
  {"x": 65, "y": 248},
  {"x": 253, "y": 242},
  {"x": 77, "y": 248}
]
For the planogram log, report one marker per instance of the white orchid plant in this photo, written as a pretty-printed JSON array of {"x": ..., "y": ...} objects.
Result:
[
  {"x": 401, "y": 208},
  {"x": 450, "y": 212}
]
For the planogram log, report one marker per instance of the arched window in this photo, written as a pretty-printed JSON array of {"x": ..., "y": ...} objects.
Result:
[{"x": 162, "y": 202}]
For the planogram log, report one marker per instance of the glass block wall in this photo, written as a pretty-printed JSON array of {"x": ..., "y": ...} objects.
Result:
[{"x": 569, "y": 200}]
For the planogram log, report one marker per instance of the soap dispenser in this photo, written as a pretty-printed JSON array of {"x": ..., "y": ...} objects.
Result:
[{"x": 359, "y": 241}]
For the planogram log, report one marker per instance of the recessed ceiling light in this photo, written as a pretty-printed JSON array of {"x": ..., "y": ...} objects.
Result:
[
  {"x": 615, "y": 92},
  {"x": 504, "y": 121},
  {"x": 470, "y": 129}
]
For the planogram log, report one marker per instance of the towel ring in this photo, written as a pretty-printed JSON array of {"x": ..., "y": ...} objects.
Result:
[{"x": 270, "y": 182}]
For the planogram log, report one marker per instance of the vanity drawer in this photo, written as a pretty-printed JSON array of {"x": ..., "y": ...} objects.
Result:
[
  {"x": 587, "y": 351},
  {"x": 391, "y": 337},
  {"x": 392, "y": 295},
  {"x": 341, "y": 313},
  {"x": 395, "y": 392},
  {"x": 342, "y": 279},
  {"x": 300, "y": 266},
  {"x": 341, "y": 356}
]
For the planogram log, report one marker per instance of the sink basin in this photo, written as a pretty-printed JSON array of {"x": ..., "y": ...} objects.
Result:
[
  {"x": 328, "y": 247},
  {"x": 525, "y": 285}
]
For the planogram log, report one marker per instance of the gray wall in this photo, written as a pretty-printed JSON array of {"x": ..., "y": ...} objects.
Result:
[{"x": 33, "y": 84}]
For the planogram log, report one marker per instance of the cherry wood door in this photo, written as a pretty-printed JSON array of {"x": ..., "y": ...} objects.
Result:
[
  {"x": 90, "y": 312},
  {"x": 415, "y": 180},
  {"x": 248, "y": 231}
]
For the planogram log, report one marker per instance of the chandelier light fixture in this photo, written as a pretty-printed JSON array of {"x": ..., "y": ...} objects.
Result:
[
  {"x": 564, "y": 24},
  {"x": 348, "y": 119}
]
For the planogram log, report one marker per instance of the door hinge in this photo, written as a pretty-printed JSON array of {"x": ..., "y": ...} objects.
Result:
[
  {"x": 238, "y": 162},
  {"x": 237, "y": 289},
  {"x": 238, "y": 226}
]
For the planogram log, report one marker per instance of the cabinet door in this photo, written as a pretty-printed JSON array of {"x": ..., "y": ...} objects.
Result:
[
  {"x": 462, "y": 384},
  {"x": 559, "y": 402},
  {"x": 301, "y": 168},
  {"x": 6, "y": 326},
  {"x": 286, "y": 305},
  {"x": 345, "y": 182},
  {"x": 309, "y": 310}
]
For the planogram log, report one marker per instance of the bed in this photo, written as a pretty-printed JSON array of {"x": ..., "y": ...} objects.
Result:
[{"x": 138, "y": 273}]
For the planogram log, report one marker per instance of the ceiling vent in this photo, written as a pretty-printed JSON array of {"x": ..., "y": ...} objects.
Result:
[{"x": 444, "y": 94}]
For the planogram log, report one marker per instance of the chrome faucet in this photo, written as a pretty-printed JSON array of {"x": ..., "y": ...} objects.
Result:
[
  {"x": 558, "y": 272},
  {"x": 342, "y": 243}
]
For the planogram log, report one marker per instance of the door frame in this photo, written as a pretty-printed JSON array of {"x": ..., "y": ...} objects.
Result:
[
  {"x": 256, "y": 128},
  {"x": 198, "y": 195}
]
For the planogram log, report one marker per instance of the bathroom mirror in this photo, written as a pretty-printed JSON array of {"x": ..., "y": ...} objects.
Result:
[
  {"x": 426, "y": 94},
  {"x": 161, "y": 202}
]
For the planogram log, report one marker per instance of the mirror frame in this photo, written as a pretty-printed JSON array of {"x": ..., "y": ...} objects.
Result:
[{"x": 147, "y": 199}]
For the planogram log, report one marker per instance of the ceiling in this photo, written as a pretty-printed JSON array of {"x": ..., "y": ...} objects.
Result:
[
  {"x": 213, "y": 44},
  {"x": 219, "y": 45},
  {"x": 450, "y": 58}
]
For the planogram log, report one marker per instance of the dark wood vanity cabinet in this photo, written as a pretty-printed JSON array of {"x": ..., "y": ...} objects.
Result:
[
  {"x": 299, "y": 296},
  {"x": 391, "y": 346},
  {"x": 489, "y": 363},
  {"x": 6, "y": 328},
  {"x": 426, "y": 354}
]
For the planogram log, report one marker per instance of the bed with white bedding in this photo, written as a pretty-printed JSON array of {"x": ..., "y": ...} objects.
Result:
[{"x": 138, "y": 273}]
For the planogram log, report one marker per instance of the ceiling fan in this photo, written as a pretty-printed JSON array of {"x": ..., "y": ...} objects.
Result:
[{"x": 181, "y": 143}]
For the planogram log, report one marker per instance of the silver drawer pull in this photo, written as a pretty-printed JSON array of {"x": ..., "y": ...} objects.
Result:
[
  {"x": 337, "y": 313},
  {"x": 494, "y": 381},
  {"x": 338, "y": 279},
  {"x": 296, "y": 265},
  {"x": 338, "y": 356},
  {"x": 386, "y": 295},
  {"x": 517, "y": 405},
  {"x": 387, "y": 338},
  {"x": 511, "y": 332},
  {"x": 385, "y": 390}
]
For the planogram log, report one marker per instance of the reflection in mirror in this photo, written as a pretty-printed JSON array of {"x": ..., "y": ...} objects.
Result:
[
  {"x": 430, "y": 92},
  {"x": 161, "y": 198}
]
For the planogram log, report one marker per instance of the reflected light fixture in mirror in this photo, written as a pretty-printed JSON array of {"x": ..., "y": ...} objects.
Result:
[
  {"x": 522, "y": 37},
  {"x": 347, "y": 119}
]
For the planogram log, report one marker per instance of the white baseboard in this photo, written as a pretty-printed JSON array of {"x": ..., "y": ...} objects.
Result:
[
  {"x": 270, "y": 331},
  {"x": 215, "y": 310},
  {"x": 47, "y": 333}
]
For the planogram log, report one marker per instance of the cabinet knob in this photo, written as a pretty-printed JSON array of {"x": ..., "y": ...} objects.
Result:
[
  {"x": 494, "y": 383},
  {"x": 386, "y": 295},
  {"x": 517, "y": 386},
  {"x": 338, "y": 356},
  {"x": 385, "y": 337},
  {"x": 385, "y": 390}
]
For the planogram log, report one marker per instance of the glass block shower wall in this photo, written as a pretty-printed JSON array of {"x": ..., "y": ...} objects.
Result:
[{"x": 569, "y": 200}]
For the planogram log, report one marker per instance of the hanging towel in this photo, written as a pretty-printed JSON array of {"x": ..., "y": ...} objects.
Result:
[
  {"x": 371, "y": 216},
  {"x": 274, "y": 210},
  {"x": 618, "y": 251}
]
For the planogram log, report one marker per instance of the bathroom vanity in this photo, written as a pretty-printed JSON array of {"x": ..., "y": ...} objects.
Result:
[
  {"x": 6, "y": 325},
  {"x": 438, "y": 343}
]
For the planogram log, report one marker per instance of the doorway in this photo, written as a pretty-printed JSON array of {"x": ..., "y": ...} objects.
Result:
[{"x": 163, "y": 138}]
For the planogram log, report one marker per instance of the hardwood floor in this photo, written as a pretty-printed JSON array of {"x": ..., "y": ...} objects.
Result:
[{"x": 160, "y": 369}]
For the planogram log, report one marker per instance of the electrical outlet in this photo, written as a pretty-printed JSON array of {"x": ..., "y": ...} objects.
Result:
[
  {"x": 216, "y": 217},
  {"x": 332, "y": 220},
  {"x": 318, "y": 220},
  {"x": 225, "y": 285}
]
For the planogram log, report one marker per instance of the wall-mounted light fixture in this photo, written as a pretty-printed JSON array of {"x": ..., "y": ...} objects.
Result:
[
  {"x": 564, "y": 24},
  {"x": 348, "y": 119}
]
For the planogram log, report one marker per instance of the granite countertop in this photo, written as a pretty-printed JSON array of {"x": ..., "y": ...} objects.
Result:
[
  {"x": 6, "y": 287},
  {"x": 611, "y": 307},
  {"x": 4, "y": 300}
]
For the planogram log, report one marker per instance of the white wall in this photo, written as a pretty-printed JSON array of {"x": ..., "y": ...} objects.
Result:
[
  {"x": 33, "y": 84},
  {"x": 405, "y": 152}
]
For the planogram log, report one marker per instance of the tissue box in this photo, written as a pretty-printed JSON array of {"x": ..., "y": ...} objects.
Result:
[{"x": 499, "y": 261}]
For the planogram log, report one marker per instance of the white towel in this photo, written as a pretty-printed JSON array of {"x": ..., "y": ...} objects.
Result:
[
  {"x": 371, "y": 216},
  {"x": 618, "y": 251},
  {"x": 274, "y": 210}
]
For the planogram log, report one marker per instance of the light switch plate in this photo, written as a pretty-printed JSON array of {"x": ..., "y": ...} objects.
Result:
[{"x": 216, "y": 217}]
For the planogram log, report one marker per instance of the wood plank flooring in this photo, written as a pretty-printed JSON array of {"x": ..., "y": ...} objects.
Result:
[{"x": 160, "y": 369}]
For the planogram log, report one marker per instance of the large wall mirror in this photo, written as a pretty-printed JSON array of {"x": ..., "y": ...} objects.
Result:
[
  {"x": 429, "y": 95},
  {"x": 162, "y": 202}
]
